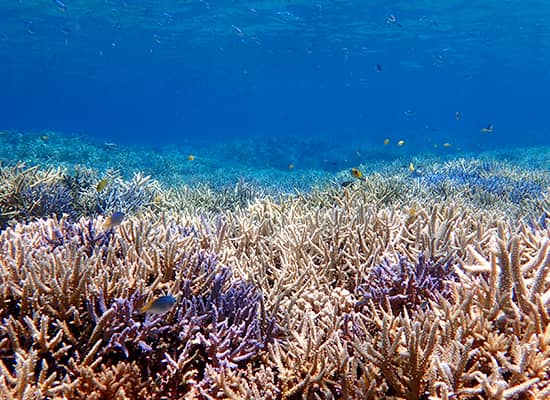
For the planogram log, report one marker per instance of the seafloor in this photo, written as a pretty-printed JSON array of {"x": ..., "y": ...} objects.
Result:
[{"x": 422, "y": 281}]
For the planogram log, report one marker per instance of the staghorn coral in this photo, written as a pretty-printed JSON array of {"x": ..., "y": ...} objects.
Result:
[
  {"x": 69, "y": 291},
  {"x": 30, "y": 192},
  {"x": 405, "y": 285},
  {"x": 78, "y": 342}
]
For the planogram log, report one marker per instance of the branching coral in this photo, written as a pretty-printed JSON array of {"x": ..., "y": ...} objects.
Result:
[
  {"x": 86, "y": 286},
  {"x": 406, "y": 286},
  {"x": 30, "y": 193},
  {"x": 337, "y": 293}
]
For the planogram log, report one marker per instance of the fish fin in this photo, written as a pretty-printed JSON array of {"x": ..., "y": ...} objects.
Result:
[{"x": 146, "y": 307}]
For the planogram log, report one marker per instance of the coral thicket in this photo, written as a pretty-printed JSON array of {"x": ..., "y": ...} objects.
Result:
[{"x": 403, "y": 286}]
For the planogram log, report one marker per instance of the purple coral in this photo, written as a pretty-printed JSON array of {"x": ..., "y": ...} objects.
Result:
[
  {"x": 84, "y": 235},
  {"x": 406, "y": 285},
  {"x": 44, "y": 200},
  {"x": 222, "y": 326}
]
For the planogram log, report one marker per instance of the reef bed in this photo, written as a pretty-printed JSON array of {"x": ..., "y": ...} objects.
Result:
[{"x": 419, "y": 284}]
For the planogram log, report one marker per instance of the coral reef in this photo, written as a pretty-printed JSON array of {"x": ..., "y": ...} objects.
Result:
[
  {"x": 71, "y": 319},
  {"x": 398, "y": 286},
  {"x": 406, "y": 285}
]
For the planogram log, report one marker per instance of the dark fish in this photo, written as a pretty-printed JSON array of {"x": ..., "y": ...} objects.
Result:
[
  {"x": 488, "y": 129},
  {"x": 346, "y": 184},
  {"x": 378, "y": 67}
]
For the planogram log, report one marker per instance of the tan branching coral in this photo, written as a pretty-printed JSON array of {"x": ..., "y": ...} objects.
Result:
[{"x": 70, "y": 290}]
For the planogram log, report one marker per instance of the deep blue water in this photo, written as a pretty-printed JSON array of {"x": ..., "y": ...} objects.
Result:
[{"x": 170, "y": 72}]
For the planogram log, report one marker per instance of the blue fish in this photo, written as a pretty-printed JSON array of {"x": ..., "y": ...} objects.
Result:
[
  {"x": 158, "y": 306},
  {"x": 115, "y": 219}
]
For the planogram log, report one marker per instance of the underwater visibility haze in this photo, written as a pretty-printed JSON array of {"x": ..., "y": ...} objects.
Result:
[
  {"x": 278, "y": 199},
  {"x": 170, "y": 71}
]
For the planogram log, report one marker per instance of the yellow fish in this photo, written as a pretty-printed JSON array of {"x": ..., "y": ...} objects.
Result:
[
  {"x": 356, "y": 173},
  {"x": 386, "y": 141},
  {"x": 190, "y": 157},
  {"x": 115, "y": 219},
  {"x": 401, "y": 143},
  {"x": 102, "y": 184},
  {"x": 158, "y": 306},
  {"x": 488, "y": 129},
  {"x": 447, "y": 144},
  {"x": 45, "y": 138},
  {"x": 411, "y": 167},
  {"x": 291, "y": 166}
]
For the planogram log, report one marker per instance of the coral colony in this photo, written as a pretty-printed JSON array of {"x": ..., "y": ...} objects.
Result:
[{"x": 431, "y": 283}]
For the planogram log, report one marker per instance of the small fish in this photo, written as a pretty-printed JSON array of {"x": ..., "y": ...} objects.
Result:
[
  {"x": 447, "y": 144},
  {"x": 458, "y": 115},
  {"x": 158, "y": 306},
  {"x": 488, "y": 129},
  {"x": 115, "y": 219},
  {"x": 386, "y": 141},
  {"x": 45, "y": 138},
  {"x": 238, "y": 30},
  {"x": 157, "y": 199},
  {"x": 102, "y": 184},
  {"x": 61, "y": 5},
  {"x": 401, "y": 143},
  {"x": 346, "y": 184},
  {"x": 410, "y": 113},
  {"x": 291, "y": 166},
  {"x": 390, "y": 19},
  {"x": 411, "y": 167},
  {"x": 28, "y": 25},
  {"x": 191, "y": 157},
  {"x": 110, "y": 145},
  {"x": 378, "y": 68},
  {"x": 356, "y": 173}
]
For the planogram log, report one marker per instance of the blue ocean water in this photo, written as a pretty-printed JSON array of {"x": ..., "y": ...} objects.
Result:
[{"x": 343, "y": 74}]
